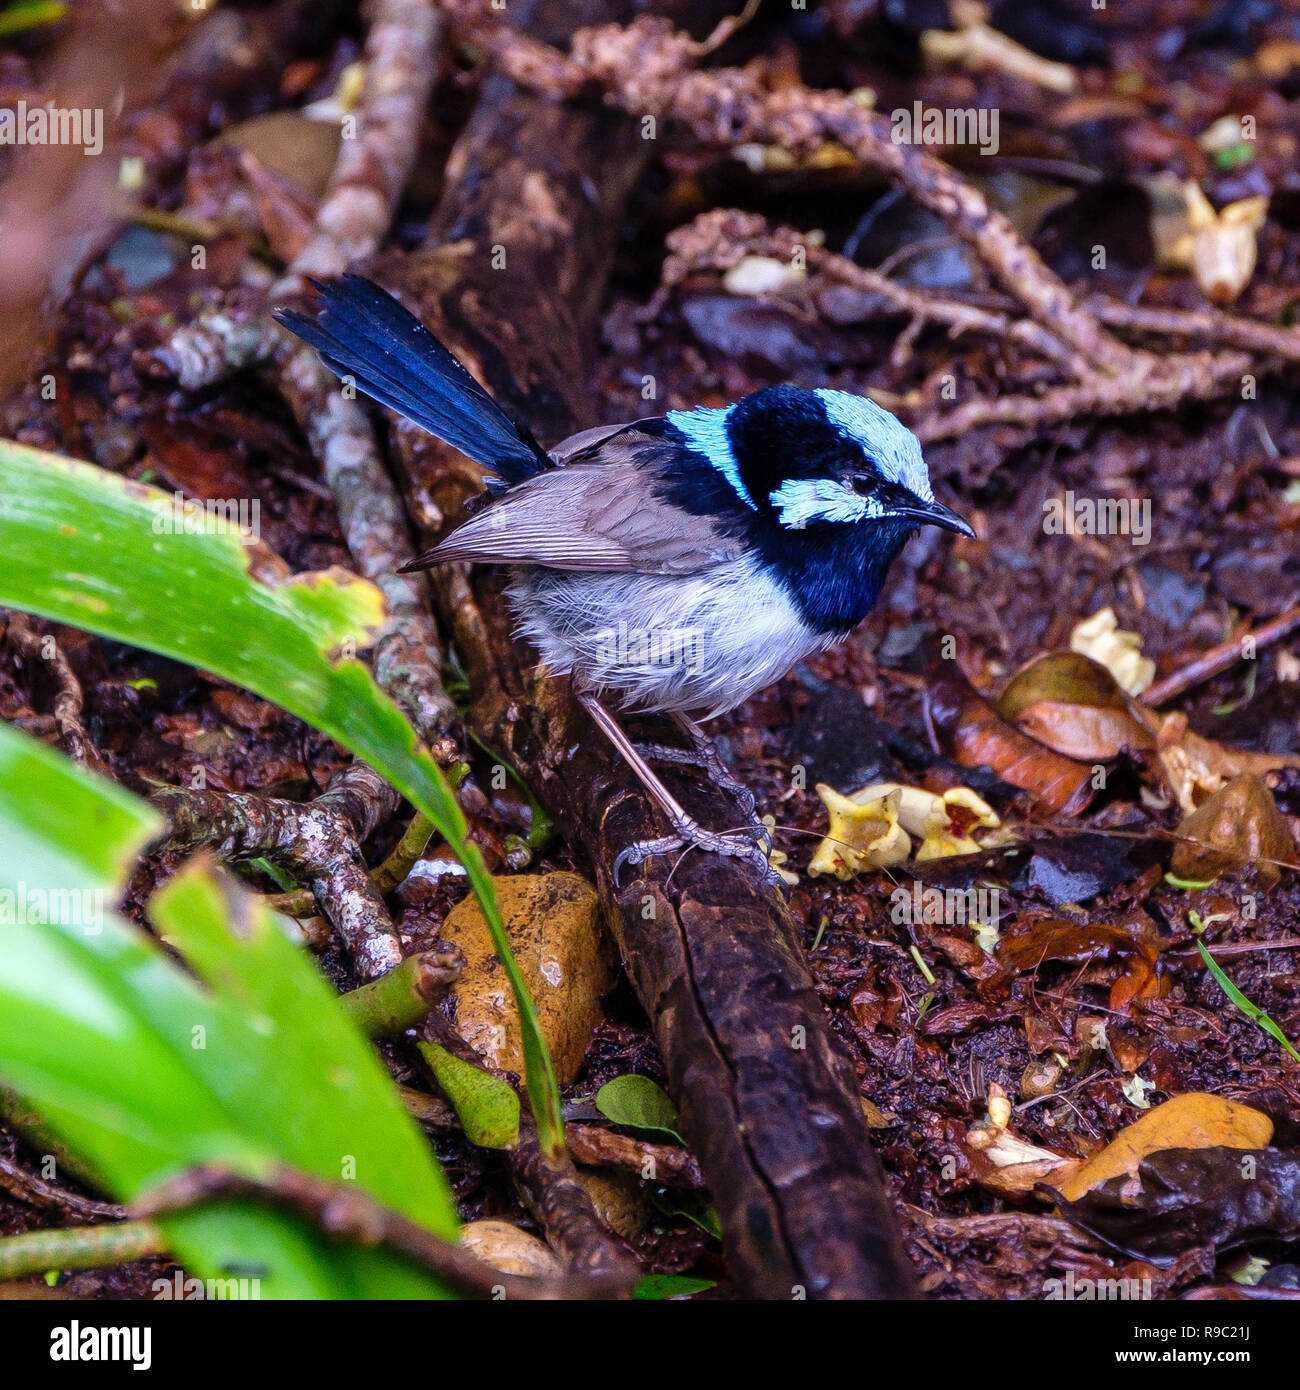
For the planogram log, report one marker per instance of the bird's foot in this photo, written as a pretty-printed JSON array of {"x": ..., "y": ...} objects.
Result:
[
  {"x": 754, "y": 843},
  {"x": 703, "y": 755}
]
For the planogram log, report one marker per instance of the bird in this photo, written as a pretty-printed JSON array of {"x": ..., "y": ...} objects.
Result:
[{"x": 676, "y": 564}]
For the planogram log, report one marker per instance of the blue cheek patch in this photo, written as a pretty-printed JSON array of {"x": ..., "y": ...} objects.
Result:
[
  {"x": 799, "y": 501},
  {"x": 705, "y": 431}
]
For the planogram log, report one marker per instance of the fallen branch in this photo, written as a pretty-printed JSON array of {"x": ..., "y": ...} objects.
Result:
[
  {"x": 768, "y": 1102},
  {"x": 646, "y": 68}
]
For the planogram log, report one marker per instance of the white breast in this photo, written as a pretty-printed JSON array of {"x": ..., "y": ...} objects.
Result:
[{"x": 695, "y": 643}]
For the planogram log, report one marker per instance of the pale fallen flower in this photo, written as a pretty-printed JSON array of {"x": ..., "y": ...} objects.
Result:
[
  {"x": 863, "y": 834},
  {"x": 1020, "y": 1165},
  {"x": 1224, "y": 243},
  {"x": 943, "y": 822},
  {"x": 755, "y": 275},
  {"x": 1120, "y": 652},
  {"x": 979, "y": 48}
]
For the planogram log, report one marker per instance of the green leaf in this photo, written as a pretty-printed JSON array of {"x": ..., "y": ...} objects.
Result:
[
  {"x": 694, "y": 1206},
  {"x": 145, "y": 1071},
  {"x": 637, "y": 1103},
  {"x": 486, "y": 1106},
  {"x": 106, "y": 554},
  {"x": 29, "y": 14},
  {"x": 1252, "y": 1011},
  {"x": 653, "y": 1287}
]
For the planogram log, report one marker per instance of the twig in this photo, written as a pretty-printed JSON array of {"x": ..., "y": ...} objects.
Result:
[
  {"x": 1209, "y": 326},
  {"x": 392, "y": 872},
  {"x": 401, "y": 59},
  {"x": 315, "y": 842},
  {"x": 400, "y": 999},
  {"x": 34, "y": 1192},
  {"x": 999, "y": 1227},
  {"x": 598, "y": 1147},
  {"x": 68, "y": 698},
  {"x": 79, "y": 1247},
  {"x": 1221, "y": 658},
  {"x": 720, "y": 238},
  {"x": 349, "y": 1213},
  {"x": 646, "y": 68}
]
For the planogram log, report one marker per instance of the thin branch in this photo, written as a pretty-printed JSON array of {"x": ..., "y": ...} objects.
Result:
[
  {"x": 348, "y": 1213},
  {"x": 79, "y": 1247}
]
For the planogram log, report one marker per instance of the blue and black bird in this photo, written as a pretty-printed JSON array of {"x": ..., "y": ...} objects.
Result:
[{"x": 679, "y": 563}]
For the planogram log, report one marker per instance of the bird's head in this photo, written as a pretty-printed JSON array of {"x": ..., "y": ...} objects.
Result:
[{"x": 819, "y": 459}]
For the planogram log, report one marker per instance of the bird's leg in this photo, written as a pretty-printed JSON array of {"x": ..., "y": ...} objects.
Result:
[
  {"x": 706, "y": 755},
  {"x": 702, "y": 754},
  {"x": 687, "y": 832}
]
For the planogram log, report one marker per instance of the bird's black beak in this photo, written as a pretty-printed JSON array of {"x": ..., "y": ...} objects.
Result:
[{"x": 935, "y": 514}]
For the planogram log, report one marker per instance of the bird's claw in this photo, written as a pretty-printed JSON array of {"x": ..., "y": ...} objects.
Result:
[{"x": 753, "y": 844}]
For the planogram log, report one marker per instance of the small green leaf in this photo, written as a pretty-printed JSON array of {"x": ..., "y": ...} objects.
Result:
[
  {"x": 486, "y": 1106},
  {"x": 29, "y": 14},
  {"x": 1189, "y": 885},
  {"x": 638, "y": 1104},
  {"x": 1252, "y": 1011},
  {"x": 694, "y": 1206},
  {"x": 653, "y": 1287}
]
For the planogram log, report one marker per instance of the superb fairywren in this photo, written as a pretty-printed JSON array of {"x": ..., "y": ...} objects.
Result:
[{"x": 680, "y": 563}]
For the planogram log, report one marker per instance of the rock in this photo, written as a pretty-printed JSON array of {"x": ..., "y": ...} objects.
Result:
[
  {"x": 565, "y": 956},
  {"x": 507, "y": 1248}
]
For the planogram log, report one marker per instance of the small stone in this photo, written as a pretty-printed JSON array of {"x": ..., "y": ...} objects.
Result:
[
  {"x": 507, "y": 1248},
  {"x": 559, "y": 940}
]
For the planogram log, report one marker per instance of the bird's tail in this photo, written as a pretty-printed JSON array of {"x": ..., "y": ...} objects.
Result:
[{"x": 363, "y": 333}]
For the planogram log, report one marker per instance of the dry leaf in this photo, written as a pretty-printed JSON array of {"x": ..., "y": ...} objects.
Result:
[
  {"x": 1239, "y": 825},
  {"x": 977, "y": 736},
  {"x": 1074, "y": 705},
  {"x": 1194, "y": 768},
  {"x": 1194, "y": 1121}
]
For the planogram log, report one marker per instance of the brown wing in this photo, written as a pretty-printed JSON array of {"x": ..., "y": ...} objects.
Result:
[{"x": 589, "y": 516}]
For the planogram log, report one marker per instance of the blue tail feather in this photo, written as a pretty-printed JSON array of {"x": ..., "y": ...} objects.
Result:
[{"x": 362, "y": 332}]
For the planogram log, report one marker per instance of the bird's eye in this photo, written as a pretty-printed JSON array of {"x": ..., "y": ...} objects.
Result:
[{"x": 864, "y": 483}]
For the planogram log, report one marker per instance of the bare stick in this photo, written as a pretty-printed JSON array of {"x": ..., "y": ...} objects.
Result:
[{"x": 349, "y": 1213}]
